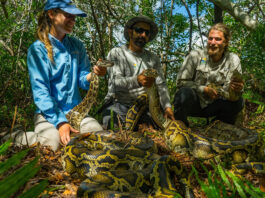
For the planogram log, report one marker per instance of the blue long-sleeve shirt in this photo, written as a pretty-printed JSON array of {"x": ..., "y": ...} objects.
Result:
[{"x": 55, "y": 86}]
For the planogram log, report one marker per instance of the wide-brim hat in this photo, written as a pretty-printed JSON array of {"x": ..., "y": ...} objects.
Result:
[
  {"x": 65, "y": 5},
  {"x": 140, "y": 18}
]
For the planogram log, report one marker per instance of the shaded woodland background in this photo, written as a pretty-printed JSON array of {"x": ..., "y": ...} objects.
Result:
[{"x": 182, "y": 25}]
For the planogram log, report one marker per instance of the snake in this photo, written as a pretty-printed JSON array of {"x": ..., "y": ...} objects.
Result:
[
  {"x": 229, "y": 94},
  {"x": 245, "y": 151},
  {"x": 112, "y": 167},
  {"x": 80, "y": 111},
  {"x": 120, "y": 165}
]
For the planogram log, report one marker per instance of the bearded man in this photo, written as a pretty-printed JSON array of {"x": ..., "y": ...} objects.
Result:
[
  {"x": 126, "y": 78},
  {"x": 215, "y": 64}
]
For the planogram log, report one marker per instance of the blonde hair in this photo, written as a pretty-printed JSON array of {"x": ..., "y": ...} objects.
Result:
[
  {"x": 222, "y": 28},
  {"x": 44, "y": 26}
]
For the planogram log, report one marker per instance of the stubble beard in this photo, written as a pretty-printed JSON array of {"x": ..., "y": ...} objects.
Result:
[
  {"x": 140, "y": 42},
  {"x": 216, "y": 51}
]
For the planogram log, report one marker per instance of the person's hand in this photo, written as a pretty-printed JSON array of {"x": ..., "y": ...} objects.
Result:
[
  {"x": 100, "y": 71},
  {"x": 236, "y": 85},
  {"x": 169, "y": 113},
  {"x": 64, "y": 132},
  {"x": 211, "y": 93},
  {"x": 144, "y": 80}
]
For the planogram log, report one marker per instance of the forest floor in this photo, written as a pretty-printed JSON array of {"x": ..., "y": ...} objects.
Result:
[{"x": 62, "y": 184}]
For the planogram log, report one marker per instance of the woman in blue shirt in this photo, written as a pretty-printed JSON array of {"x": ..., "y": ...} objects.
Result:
[{"x": 58, "y": 65}]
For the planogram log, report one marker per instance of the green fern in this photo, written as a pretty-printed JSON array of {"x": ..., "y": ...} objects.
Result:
[
  {"x": 220, "y": 186},
  {"x": 4, "y": 147},
  {"x": 253, "y": 97},
  {"x": 12, "y": 183}
]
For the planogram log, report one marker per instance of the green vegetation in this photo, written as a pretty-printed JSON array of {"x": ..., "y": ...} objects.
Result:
[
  {"x": 223, "y": 183},
  {"x": 19, "y": 21},
  {"x": 11, "y": 183},
  {"x": 17, "y": 32}
]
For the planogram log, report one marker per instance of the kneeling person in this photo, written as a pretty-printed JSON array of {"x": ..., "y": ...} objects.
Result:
[
  {"x": 126, "y": 78},
  {"x": 201, "y": 68},
  {"x": 58, "y": 65}
]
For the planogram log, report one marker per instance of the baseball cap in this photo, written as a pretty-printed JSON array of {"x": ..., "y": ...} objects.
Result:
[{"x": 65, "y": 5}]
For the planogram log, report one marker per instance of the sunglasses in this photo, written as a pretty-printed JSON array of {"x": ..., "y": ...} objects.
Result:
[{"x": 141, "y": 30}]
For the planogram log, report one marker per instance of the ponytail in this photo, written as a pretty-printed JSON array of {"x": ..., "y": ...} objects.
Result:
[{"x": 44, "y": 26}]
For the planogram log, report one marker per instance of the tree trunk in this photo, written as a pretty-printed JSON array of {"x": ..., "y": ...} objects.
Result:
[
  {"x": 218, "y": 14},
  {"x": 237, "y": 13}
]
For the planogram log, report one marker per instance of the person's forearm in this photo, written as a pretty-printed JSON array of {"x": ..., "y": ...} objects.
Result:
[
  {"x": 122, "y": 83},
  {"x": 191, "y": 84}
]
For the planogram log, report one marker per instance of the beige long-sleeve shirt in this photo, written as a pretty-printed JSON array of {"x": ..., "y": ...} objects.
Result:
[
  {"x": 198, "y": 71},
  {"x": 123, "y": 85}
]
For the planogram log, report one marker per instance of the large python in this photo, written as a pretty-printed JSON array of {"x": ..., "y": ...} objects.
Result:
[
  {"x": 179, "y": 138},
  {"x": 80, "y": 111},
  {"x": 114, "y": 168}
]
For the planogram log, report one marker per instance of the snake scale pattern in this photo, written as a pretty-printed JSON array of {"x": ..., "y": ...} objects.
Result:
[
  {"x": 229, "y": 94},
  {"x": 247, "y": 148},
  {"x": 80, "y": 111},
  {"x": 113, "y": 167}
]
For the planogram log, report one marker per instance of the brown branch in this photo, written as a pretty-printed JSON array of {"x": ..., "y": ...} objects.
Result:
[
  {"x": 168, "y": 43},
  {"x": 18, "y": 53},
  {"x": 161, "y": 26},
  {"x": 171, "y": 13},
  {"x": 218, "y": 14},
  {"x": 190, "y": 16},
  {"x": 110, "y": 34},
  {"x": 176, "y": 53},
  {"x": 198, "y": 21},
  {"x": 260, "y": 9},
  {"x": 7, "y": 48},
  {"x": 251, "y": 8},
  {"x": 14, "y": 120},
  {"x": 12, "y": 53},
  {"x": 170, "y": 61},
  {"x": 98, "y": 29},
  {"x": 239, "y": 14},
  {"x": 111, "y": 13},
  {"x": 3, "y": 3},
  {"x": 8, "y": 82}
]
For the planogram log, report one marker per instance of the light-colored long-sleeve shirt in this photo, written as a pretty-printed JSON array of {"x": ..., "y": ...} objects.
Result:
[
  {"x": 123, "y": 86},
  {"x": 55, "y": 86},
  {"x": 198, "y": 71}
]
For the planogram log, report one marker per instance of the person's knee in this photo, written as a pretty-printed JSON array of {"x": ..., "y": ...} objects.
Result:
[
  {"x": 48, "y": 136},
  {"x": 90, "y": 124},
  {"x": 234, "y": 107},
  {"x": 239, "y": 105},
  {"x": 53, "y": 143},
  {"x": 229, "y": 111}
]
